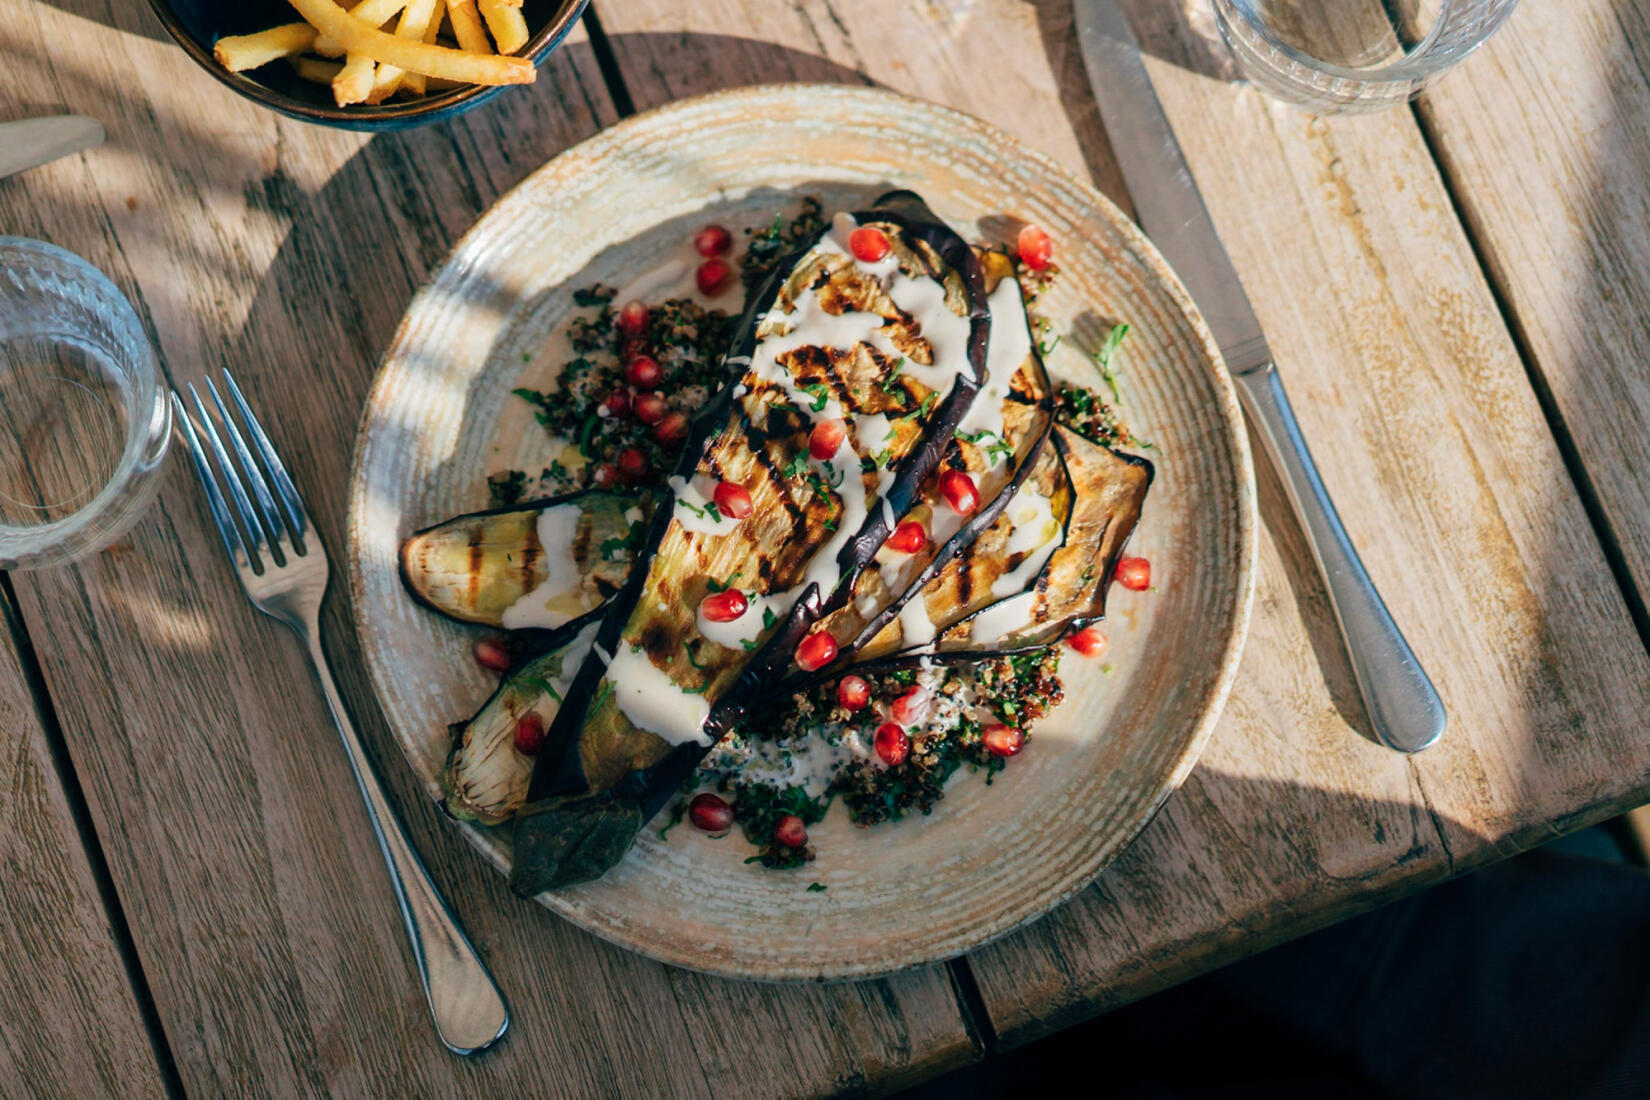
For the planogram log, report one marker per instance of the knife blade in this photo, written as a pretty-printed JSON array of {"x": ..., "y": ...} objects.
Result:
[
  {"x": 1403, "y": 706},
  {"x": 31, "y": 142}
]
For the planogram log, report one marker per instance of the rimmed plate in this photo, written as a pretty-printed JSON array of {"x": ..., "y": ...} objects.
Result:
[{"x": 991, "y": 857}]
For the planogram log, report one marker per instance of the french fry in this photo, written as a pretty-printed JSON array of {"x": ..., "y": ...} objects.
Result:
[
  {"x": 240, "y": 52},
  {"x": 354, "y": 81},
  {"x": 431, "y": 60},
  {"x": 467, "y": 26},
  {"x": 315, "y": 69},
  {"x": 505, "y": 21},
  {"x": 376, "y": 12},
  {"x": 385, "y": 82},
  {"x": 415, "y": 24}
]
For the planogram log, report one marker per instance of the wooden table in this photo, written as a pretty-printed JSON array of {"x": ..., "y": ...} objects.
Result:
[{"x": 1458, "y": 296}]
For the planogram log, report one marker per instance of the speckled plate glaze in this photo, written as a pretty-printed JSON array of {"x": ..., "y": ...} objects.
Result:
[{"x": 990, "y": 858}]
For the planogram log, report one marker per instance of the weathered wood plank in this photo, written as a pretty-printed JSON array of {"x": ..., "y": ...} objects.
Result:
[
  {"x": 1544, "y": 137},
  {"x": 69, "y": 1019},
  {"x": 1429, "y": 437},
  {"x": 261, "y": 913}
]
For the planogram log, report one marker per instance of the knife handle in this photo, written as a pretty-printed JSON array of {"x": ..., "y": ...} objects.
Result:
[{"x": 1403, "y": 706}]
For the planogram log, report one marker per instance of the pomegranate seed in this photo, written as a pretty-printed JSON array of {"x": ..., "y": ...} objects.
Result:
[
  {"x": 493, "y": 654},
  {"x": 733, "y": 500},
  {"x": 606, "y": 474},
  {"x": 1036, "y": 248},
  {"x": 869, "y": 244},
  {"x": 649, "y": 408},
  {"x": 908, "y": 538},
  {"x": 853, "y": 692},
  {"x": 723, "y": 607},
  {"x": 713, "y": 277},
  {"x": 1134, "y": 573},
  {"x": 529, "y": 737},
  {"x": 644, "y": 372},
  {"x": 911, "y": 706},
  {"x": 618, "y": 404},
  {"x": 712, "y": 240},
  {"x": 710, "y": 813},
  {"x": 959, "y": 491},
  {"x": 826, "y": 439},
  {"x": 816, "y": 651},
  {"x": 791, "y": 832},
  {"x": 1088, "y": 641},
  {"x": 673, "y": 428},
  {"x": 633, "y": 319},
  {"x": 632, "y": 464},
  {"x": 893, "y": 744},
  {"x": 1001, "y": 740}
]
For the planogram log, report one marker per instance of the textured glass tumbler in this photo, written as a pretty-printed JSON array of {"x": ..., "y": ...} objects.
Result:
[
  {"x": 84, "y": 423},
  {"x": 1353, "y": 55}
]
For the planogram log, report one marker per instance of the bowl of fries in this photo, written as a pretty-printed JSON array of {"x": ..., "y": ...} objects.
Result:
[{"x": 370, "y": 64}]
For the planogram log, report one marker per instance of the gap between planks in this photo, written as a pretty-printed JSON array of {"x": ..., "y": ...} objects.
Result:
[
  {"x": 80, "y": 813},
  {"x": 1603, "y": 530}
]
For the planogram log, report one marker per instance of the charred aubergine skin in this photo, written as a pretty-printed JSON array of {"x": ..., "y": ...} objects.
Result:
[{"x": 601, "y": 776}]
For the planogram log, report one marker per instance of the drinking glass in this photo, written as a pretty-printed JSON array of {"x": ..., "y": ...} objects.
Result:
[
  {"x": 1353, "y": 55},
  {"x": 84, "y": 424}
]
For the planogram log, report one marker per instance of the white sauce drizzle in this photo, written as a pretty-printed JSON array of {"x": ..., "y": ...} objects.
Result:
[
  {"x": 747, "y": 627},
  {"x": 1003, "y": 618},
  {"x": 1009, "y": 347},
  {"x": 694, "y": 509},
  {"x": 916, "y": 628},
  {"x": 653, "y": 702},
  {"x": 562, "y": 596},
  {"x": 1036, "y": 534}
]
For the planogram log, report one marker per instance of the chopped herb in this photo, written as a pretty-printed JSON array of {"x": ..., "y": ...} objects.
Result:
[
  {"x": 506, "y": 487},
  {"x": 921, "y": 410},
  {"x": 1103, "y": 357},
  {"x": 820, "y": 394},
  {"x": 889, "y": 384},
  {"x": 796, "y": 465},
  {"x": 610, "y": 548},
  {"x": 813, "y": 887},
  {"x": 709, "y": 509},
  {"x": 722, "y": 586},
  {"x": 591, "y": 423},
  {"x": 677, "y": 812},
  {"x": 1045, "y": 348},
  {"x": 768, "y": 618},
  {"x": 692, "y": 655},
  {"x": 597, "y": 295}
]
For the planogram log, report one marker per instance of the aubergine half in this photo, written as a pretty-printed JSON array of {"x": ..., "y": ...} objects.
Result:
[
  {"x": 545, "y": 564},
  {"x": 892, "y": 353}
]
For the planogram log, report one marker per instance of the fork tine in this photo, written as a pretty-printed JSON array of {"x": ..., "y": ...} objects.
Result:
[
  {"x": 256, "y": 539},
  {"x": 298, "y": 518},
  {"x": 227, "y": 531},
  {"x": 254, "y": 476}
]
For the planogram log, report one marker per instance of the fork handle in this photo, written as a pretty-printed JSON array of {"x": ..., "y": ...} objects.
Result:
[
  {"x": 1403, "y": 706},
  {"x": 470, "y": 1014}
]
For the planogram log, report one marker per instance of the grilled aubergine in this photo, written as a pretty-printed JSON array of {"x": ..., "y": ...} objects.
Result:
[
  {"x": 662, "y": 682},
  {"x": 849, "y": 380},
  {"x": 541, "y": 565}
]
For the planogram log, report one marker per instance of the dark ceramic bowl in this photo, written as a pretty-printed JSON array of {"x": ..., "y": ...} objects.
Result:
[{"x": 197, "y": 24}]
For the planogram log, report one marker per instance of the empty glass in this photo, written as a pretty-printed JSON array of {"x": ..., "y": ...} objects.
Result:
[
  {"x": 1353, "y": 55},
  {"x": 84, "y": 423}
]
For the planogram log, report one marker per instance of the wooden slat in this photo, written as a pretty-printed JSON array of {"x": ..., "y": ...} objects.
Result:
[
  {"x": 69, "y": 1019},
  {"x": 258, "y": 903},
  {"x": 1429, "y": 437},
  {"x": 1544, "y": 137}
]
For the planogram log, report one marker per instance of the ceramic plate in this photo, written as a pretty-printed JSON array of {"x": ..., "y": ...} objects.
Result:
[{"x": 990, "y": 858}]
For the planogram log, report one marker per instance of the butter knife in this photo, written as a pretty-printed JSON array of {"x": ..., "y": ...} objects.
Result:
[
  {"x": 1403, "y": 706},
  {"x": 30, "y": 142}
]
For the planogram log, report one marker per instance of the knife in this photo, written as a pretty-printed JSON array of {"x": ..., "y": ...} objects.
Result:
[
  {"x": 30, "y": 142},
  {"x": 1403, "y": 706}
]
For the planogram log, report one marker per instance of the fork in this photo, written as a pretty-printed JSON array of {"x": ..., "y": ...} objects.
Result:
[{"x": 282, "y": 566}]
